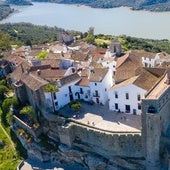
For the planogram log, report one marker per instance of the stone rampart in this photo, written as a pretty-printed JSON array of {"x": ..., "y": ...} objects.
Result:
[{"x": 104, "y": 143}]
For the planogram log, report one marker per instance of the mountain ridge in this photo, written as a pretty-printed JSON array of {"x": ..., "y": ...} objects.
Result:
[{"x": 151, "y": 5}]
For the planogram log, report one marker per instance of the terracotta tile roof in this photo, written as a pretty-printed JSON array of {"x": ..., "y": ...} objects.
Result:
[
  {"x": 142, "y": 53},
  {"x": 85, "y": 72},
  {"x": 124, "y": 83},
  {"x": 125, "y": 71},
  {"x": 67, "y": 56},
  {"x": 145, "y": 80},
  {"x": 69, "y": 79},
  {"x": 127, "y": 65},
  {"x": 79, "y": 56},
  {"x": 158, "y": 72},
  {"x": 98, "y": 74},
  {"x": 35, "y": 52},
  {"x": 96, "y": 57},
  {"x": 15, "y": 59},
  {"x": 121, "y": 60},
  {"x": 54, "y": 63},
  {"x": 54, "y": 56},
  {"x": 96, "y": 65},
  {"x": 83, "y": 82},
  {"x": 134, "y": 56},
  {"x": 41, "y": 67},
  {"x": 18, "y": 72},
  {"x": 50, "y": 74},
  {"x": 97, "y": 50},
  {"x": 165, "y": 64},
  {"x": 33, "y": 82},
  {"x": 58, "y": 47}
]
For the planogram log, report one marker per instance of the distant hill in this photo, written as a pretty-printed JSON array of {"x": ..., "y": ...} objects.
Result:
[
  {"x": 153, "y": 5},
  {"x": 19, "y": 2},
  {"x": 5, "y": 10}
]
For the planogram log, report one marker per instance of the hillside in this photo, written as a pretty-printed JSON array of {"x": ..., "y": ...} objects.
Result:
[
  {"x": 19, "y": 2},
  {"x": 5, "y": 10},
  {"x": 153, "y": 5}
]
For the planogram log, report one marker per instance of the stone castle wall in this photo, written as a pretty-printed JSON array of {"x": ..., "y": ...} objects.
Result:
[{"x": 103, "y": 143}]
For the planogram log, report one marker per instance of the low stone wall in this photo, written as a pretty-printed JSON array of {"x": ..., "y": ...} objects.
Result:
[
  {"x": 30, "y": 130},
  {"x": 104, "y": 143}
]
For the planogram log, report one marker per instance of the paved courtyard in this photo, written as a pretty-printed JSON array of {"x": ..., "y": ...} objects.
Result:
[{"x": 102, "y": 118}]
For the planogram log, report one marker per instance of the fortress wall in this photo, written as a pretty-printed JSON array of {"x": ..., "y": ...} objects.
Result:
[{"x": 103, "y": 143}]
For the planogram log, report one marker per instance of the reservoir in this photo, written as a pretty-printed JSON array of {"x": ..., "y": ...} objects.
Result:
[{"x": 115, "y": 21}]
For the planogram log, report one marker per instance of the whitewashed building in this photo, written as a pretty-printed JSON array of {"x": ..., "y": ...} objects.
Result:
[
  {"x": 65, "y": 94},
  {"x": 126, "y": 96},
  {"x": 82, "y": 90},
  {"x": 100, "y": 82}
]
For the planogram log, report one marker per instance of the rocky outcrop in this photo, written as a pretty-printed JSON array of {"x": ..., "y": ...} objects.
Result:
[{"x": 94, "y": 162}]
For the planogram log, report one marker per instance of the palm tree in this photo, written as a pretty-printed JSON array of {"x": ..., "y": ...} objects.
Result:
[{"x": 51, "y": 88}]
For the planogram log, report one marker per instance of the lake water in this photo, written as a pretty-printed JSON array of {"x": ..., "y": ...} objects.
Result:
[{"x": 115, "y": 21}]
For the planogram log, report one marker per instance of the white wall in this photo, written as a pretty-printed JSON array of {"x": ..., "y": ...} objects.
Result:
[
  {"x": 110, "y": 65},
  {"x": 102, "y": 88},
  {"x": 62, "y": 96},
  {"x": 86, "y": 96},
  {"x": 133, "y": 92}
]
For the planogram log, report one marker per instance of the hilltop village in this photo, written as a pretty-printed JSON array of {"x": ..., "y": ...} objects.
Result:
[{"x": 99, "y": 108}]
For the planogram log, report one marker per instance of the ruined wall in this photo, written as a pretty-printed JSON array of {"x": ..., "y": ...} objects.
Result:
[{"x": 103, "y": 143}]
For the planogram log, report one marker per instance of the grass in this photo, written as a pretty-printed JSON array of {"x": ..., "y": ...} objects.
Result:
[
  {"x": 101, "y": 41},
  {"x": 9, "y": 158}
]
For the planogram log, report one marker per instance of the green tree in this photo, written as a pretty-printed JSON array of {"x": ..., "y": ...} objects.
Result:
[
  {"x": 6, "y": 105},
  {"x": 76, "y": 106},
  {"x": 42, "y": 55},
  {"x": 90, "y": 39},
  {"x": 3, "y": 90},
  {"x": 28, "y": 42},
  {"x": 4, "y": 41},
  {"x": 29, "y": 110}
]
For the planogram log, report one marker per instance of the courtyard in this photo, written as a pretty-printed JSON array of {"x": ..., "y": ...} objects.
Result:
[{"x": 100, "y": 117}]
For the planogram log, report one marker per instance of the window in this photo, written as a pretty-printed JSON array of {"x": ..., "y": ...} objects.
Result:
[
  {"x": 81, "y": 91},
  {"x": 96, "y": 93},
  {"x": 116, "y": 95},
  {"x": 56, "y": 103},
  {"x": 138, "y": 97},
  {"x": 127, "y": 95},
  {"x": 95, "y": 84},
  {"x": 139, "y": 106},
  {"x": 105, "y": 89},
  {"x": 116, "y": 106},
  {"x": 54, "y": 95},
  {"x": 127, "y": 108}
]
